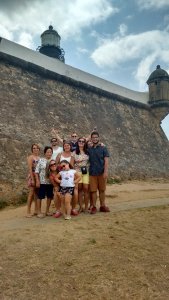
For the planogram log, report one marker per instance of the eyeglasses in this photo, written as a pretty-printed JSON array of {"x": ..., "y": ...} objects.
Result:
[
  {"x": 63, "y": 166},
  {"x": 80, "y": 141},
  {"x": 53, "y": 141},
  {"x": 74, "y": 135},
  {"x": 52, "y": 165}
]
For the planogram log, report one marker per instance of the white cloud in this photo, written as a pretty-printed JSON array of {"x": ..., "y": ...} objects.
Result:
[
  {"x": 165, "y": 126},
  {"x": 82, "y": 50},
  {"x": 150, "y": 4},
  {"x": 144, "y": 69},
  {"x": 26, "y": 40},
  {"x": 6, "y": 33},
  {"x": 123, "y": 29},
  {"x": 142, "y": 49},
  {"x": 69, "y": 18}
]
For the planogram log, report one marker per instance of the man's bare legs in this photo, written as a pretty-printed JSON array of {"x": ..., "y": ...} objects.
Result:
[{"x": 102, "y": 198}]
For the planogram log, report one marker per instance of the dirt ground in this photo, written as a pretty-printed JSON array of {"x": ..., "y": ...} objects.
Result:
[{"x": 123, "y": 254}]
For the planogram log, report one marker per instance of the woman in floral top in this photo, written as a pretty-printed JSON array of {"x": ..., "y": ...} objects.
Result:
[{"x": 81, "y": 165}]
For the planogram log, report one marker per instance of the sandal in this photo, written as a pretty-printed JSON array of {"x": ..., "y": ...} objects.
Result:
[
  {"x": 57, "y": 214},
  {"x": 74, "y": 212},
  {"x": 49, "y": 214},
  {"x": 40, "y": 216},
  {"x": 29, "y": 216}
]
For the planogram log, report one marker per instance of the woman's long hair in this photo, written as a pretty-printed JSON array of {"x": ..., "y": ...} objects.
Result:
[
  {"x": 84, "y": 148},
  {"x": 48, "y": 171}
]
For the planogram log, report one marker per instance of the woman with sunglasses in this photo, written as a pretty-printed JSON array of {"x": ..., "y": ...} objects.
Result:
[
  {"x": 67, "y": 178},
  {"x": 32, "y": 161},
  {"x": 81, "y": 165},
  {"x": 51, "y": 174}
]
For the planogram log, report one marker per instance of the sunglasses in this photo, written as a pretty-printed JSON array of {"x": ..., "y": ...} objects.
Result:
[
  {"x": 63, "y": 166},
  {"x": 81, "y": 141},
  {"x": 52, "y": 165},
  {"x": 74, "y": 135}
]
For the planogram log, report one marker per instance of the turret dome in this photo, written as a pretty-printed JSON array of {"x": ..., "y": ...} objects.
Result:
[{"x": 158, "y": 74}]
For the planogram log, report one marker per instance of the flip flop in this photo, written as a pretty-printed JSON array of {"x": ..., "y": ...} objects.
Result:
[{"x": 29, "y": 216}]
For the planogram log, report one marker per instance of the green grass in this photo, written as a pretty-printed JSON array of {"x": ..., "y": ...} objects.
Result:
[
  {"x": 21, "y": 200},
  {"x": 113, "y": 180},
  {"x": 3, "y": 203}
]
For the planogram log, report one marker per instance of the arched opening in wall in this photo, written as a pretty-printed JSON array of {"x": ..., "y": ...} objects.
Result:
[{"x": 165, "y": 125}]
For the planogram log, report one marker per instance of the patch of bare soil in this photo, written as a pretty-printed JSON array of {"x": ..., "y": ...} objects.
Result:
[{"x": 118, "y": 255}]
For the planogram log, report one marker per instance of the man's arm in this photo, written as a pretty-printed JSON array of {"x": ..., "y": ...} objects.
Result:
[
  {"x": 56, "y": 135},
  {"x": 106, "y": 163}
]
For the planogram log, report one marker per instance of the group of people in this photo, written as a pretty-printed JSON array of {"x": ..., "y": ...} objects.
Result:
[{"x": 70, "y": 175}]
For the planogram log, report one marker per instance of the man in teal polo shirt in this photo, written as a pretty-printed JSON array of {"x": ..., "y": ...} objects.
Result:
[{"x": 98, "y": 171}]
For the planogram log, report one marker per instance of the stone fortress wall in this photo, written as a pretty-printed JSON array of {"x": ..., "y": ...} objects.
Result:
[{"x": 38, "y": 92}]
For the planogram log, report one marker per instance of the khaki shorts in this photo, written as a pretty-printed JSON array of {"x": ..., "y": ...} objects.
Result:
[
  {"x": 97, "y": 183},
  {"x": 84, "y": 178}
]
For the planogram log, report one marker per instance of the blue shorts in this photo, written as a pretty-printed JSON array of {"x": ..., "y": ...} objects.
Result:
[{"x": 45, "y": 190}]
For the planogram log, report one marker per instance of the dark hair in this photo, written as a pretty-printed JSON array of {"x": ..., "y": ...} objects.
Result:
[
  {"x": 53, "y": 139},
  {"x": 69, "y": 143},
  {"x": 48, "y": 171},
  {"x": 77, "y": 151},
  {"x": 46, "y": 149},
  {"x": 95, "y": 133},
  {"x": 66, "y": 162},
  {"x": 74, "y": 132},
  {"x": 87, "y": 144}
]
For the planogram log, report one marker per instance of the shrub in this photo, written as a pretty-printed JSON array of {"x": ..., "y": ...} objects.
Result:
[
  {"x": 113, "y": 180},
  {"x": 3, "y": 203}
]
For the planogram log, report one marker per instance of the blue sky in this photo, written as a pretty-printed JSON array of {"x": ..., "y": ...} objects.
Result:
[{"x": 119, "y": 40}]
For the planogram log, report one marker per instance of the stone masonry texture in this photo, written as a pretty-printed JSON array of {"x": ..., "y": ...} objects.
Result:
[{"x": 32, "y": 102}]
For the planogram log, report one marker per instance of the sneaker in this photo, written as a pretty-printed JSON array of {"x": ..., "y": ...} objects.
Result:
[
  {"x": 67, "y": 217},
  {"x": 74, "y": 212},
  {"x": 57, "y": 214},
  {"x": 104, "y": 209},
  {"x": 93, "y": 210}
]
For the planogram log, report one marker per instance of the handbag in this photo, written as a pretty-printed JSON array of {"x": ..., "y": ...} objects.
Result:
[{"x": 84, "y": 170}]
